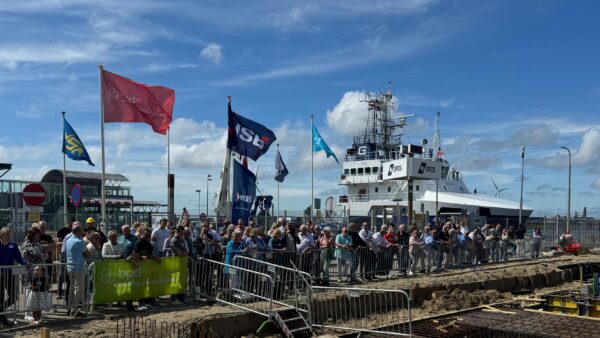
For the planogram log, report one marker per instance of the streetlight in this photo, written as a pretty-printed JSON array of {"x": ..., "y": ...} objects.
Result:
[
  {"x": 208, "y": 179},
  {"x": 569, "y": 195},
  {"x": 199, "y": 211}
]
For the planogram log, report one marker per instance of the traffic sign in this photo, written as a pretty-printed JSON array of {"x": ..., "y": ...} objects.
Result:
[
  {"x": 34, "y": 194},
  {"x": 75, "y": 195}
]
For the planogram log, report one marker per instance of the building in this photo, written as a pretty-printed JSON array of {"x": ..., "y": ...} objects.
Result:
[{"x": 121, "y": 207}]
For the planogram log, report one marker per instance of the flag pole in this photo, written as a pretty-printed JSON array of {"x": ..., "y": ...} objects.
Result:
[
  {"x": 312, "y": 175},
  {"x": 522, "y": 177},
  {"x": 65, "y": 216},
  {"x": 278, "y": 187},
  {"x": 103, "y": 177}
]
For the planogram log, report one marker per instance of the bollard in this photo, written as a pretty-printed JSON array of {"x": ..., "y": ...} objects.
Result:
[{"x": 44, "y": 332}]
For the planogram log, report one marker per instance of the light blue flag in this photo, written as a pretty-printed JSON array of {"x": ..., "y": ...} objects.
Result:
[
  {"x": 319, "y": 144},
  {"x": 72, "y": 145}
]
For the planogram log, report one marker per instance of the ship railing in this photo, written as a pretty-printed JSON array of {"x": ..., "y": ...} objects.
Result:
[{"x": 378, "y": 197}]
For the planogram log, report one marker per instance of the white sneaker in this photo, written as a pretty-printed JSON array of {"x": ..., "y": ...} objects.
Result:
[{"x": 410, "y": 273}]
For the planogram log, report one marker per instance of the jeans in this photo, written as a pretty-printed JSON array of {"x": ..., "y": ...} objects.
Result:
[{"x": 76, "y": 289}]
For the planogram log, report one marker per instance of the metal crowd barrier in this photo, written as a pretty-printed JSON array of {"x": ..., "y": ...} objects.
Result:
[
  {"x": 243, "y": 288},
  {"x": 20, "y": 291},
  {"x": 363, "y": 310}
]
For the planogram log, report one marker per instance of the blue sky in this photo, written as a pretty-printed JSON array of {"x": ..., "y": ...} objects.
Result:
[{"x": 503, "y": 74}]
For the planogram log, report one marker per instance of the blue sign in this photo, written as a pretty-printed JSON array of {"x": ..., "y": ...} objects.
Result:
[{"x": 75, "y": 195}]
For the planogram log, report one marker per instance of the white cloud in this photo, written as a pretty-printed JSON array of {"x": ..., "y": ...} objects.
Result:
[
  {"x": 53, "y": 52},
  {"x": 596, "y": 183},
  {"x": 589, "y": 149},
  {"x": 213, "y": 52},
  {"x": 295, "y": 17},
  {"x": 349, "y": 116},
  {"x": 207, "y": 154},
  {"x": 165, "y": 67}
]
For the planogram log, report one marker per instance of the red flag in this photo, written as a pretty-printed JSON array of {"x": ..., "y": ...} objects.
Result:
[{"x": 129, "y": 101}]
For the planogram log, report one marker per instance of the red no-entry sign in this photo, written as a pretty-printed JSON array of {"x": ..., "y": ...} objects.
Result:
[{"x": 34, "y": 194}]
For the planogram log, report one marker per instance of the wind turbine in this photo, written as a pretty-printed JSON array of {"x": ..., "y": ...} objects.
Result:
[{"x": 498, "y": 190}]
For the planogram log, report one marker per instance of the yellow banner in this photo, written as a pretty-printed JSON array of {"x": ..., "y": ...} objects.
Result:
[{"x": 121, "y": 280}]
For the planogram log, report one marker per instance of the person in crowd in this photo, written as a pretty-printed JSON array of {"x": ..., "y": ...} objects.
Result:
[
  {"x": 327, "y": 253},
  {"x": 9, "y": 255},
  {"x": 415, "y": 250},
  {"x": 241, "y": 227},
  {"x": 305, "y": 248},
  {"x": 392, "y": 251},
  {"x": 381, "y": 248},
  {"x": 179, "y": 248},
  {"x": 34, "y": 254},
  {"x": 443, "y": 247},
  {"x": 260, "y": 232},
  {"x": 94, "y": 247},
  {"x": 368, "y": 264},
  {"x": 252, "y": 224},
  {"x": 39, "y": 297},
  {"x": 234, "y": 247},
  {"x": 291, "y": 240},
  {"x": 192, "y": 246},
  {"x": 47, "y": 242},
  {"x": 343, "y": 253},
  {"x": 208, "y": 245},
  {"x": 427, "y": 240},
  {"x": 255, "y": 244},
  {"x": 166, "y": 249},
  {"x": 282, "y": 224},
  {"x": 478, "y": 239},
  {"x": 113, "y": 249},
  {"x": 403, "y": 242},
  {"x": 536, "y": 242},
  {"x": 90, "y": 224},
  {"x": 185, "y": 215},
  {"x": 159, "y": 236},
  {"x": 62, "y": 272},
  {"x": 143, "y": 250},
  {"x": 359, "y": 251},
  {"x": 64, "y": 231},
  {"x": 503, "y": 244},
  {"x": 127, "y": 240},
  {"x": 277, "y": 247},
  {"x": 77, "y": 256},
  {"x": 520, "y": 232}
]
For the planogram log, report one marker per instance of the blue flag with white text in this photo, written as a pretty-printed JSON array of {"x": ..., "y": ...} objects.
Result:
[
  {"x": 72, "y": 145},
  {"x": 246, "y": 137},
  {"x": 243, "y": 193},
  {"x": 319, "y": 144}
]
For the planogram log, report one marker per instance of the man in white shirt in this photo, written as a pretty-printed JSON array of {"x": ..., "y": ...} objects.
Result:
[
  {"x": 366, "y": 255},
  {"x": 377, "y": 245},
  {"x": 159, "y": 235},
  {"x": 305, "y": 248}
]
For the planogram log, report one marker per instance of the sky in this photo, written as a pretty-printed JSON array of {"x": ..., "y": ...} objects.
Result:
[{"x": 503, "y": 74}]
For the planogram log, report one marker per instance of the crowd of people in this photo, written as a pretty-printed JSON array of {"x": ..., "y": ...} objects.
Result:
[{"x": 360, "y": 252}]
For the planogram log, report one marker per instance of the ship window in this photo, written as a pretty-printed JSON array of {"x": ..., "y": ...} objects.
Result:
[
  {"x": 353, "y": 171},
  {"x": 444, "y": 187},
  {"x": 367, "y": 170},
  {"x": 346, "y": 171},
  {"x": 389, "y": 189},
  {"x": 375, "y": 170},
  {"x": 417, "y": 188},
  {"x": 461, "y": 189},
  {"x": 376, "y": 189},
  {"x": 360, "y": 171}
]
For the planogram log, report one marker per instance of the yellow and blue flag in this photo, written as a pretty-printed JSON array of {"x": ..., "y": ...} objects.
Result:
[{"x": 72, "y": 145}]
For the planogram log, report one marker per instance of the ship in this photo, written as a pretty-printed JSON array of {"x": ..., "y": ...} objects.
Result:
[{"x": 376, "y": 194}]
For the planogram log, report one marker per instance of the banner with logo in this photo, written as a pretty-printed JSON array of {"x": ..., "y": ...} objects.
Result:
[
  {"x": 244, "y": 191},
  {"x": 246, "y": 137},
  {"x": 122, "y": 280}
]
